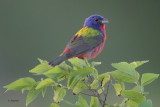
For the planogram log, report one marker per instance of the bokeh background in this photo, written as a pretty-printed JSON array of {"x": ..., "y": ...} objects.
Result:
[{"x": 31, "y": 29}]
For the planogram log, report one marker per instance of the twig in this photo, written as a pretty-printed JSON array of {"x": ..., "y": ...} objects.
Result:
[
  {"x": 99, "y": 98},
  {"x": 91, "y": 78},
  {"x": 96, "y": 91},
  {"x": 105, "y": 97},
  {"x": 89, "y": 87}
]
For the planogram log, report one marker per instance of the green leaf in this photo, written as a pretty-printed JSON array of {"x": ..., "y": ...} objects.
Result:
[
  {"x": 101, "y": 90},
  {"x": 82, "y": 102},
  {"x": 94, "y": 84},
  {"x": 54, "y": 72},
  {"x": 22, "y": 83},
  {"x": 94, "y": 73},
  {"x": 118, "y": 89},
  {"x": 45, "y": 83},
  {"x": 93, "y": 63},
  {"x": 26, "y": 88},
  {"x": 133, "y": 95},
  {"x": 94, "y": 102},
  {"x": 131, "y": 103},
  {"x": 59, "y": 94},
  {"x": 104, "y": 78},
  {"x": 147, "y": 103},
  {"x": 22, "y": 91},
  {"x": 104, "y": 81},
  {"x": 105, "y": 75},
  {"x": 41, "y": 68},
  {"x": 76, "y": 76},
  {"x": 116, "y": 105},
  {"x": 147, "y": 78},
  {"x": 87, "y": 63},
  {"x": 79, "y": 63},
  {"x": 137, "y": 89},
  {"x": 68, "y": 102},
  {"x": 122, "y": 84},
  {"x": 123, "y": 76},
  {"x": 44, "y": 91},
  {"x": 54, "y": 105},
  {"x": 65, "y": 67},
  {"x": 125, "y": 67},
  {"x": 80, "y": 86},
  {"x": 138, "y": 63},
  {"x": 127, "y": 71},
  {"x": 41, "y": 61},
  {"x": 63, "y": 76},
  {"x": 145, "y": 93},
  {"x": 124, "y": 101},
  {"x": 32, "y": 94}
]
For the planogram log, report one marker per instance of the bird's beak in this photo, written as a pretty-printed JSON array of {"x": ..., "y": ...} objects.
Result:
[{"x": 105, "y": 21}]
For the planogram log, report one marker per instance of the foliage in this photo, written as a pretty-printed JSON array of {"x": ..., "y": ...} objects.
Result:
[{"x": 81, "y": 76}]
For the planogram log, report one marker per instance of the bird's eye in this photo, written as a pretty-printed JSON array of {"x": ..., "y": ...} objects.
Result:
[{"x": 96, "y": 20}]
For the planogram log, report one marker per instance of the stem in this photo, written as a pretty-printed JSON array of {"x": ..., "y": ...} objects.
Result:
[
  {"x": 142, "y": 89},
  {"x": 94, "y": 91},
  {"x": 105, "y": 95},
  {"x": 86, "y": 61},
  {"x": 99, "y": 98},
  {"x": 101, "y": 101}
]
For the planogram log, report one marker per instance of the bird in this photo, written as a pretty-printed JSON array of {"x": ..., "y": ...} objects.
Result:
[{"x": 87, "y": 43}]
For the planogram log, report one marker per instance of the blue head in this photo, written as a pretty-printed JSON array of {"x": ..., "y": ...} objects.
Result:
[{"x": 95, "y": 21}]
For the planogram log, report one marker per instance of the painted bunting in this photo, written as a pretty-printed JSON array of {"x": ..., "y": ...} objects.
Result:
[{"x": 88, "y": 42}]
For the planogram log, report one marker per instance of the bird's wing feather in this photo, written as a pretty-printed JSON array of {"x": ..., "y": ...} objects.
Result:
[{"x": 81, "y": 44}]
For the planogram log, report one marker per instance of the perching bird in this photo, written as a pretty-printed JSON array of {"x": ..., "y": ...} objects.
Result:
[{"x": 88, "y": 42}]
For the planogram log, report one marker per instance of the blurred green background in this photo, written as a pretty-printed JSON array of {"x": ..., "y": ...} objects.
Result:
[{"x": 31, "y": 29}]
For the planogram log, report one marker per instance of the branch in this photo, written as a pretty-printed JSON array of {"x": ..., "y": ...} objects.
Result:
[
  {"x": 99, "y": 98},
  {"x": 88, "y": 87},
  {"x": 105, "y": 95},
  {"x": 98, "y": 95}
]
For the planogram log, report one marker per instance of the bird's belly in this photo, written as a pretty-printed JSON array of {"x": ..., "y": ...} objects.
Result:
[
  {"x": 96, "y": 51},
  {"x": 92, "y": 53}
]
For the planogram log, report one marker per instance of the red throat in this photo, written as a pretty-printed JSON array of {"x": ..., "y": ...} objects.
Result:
[
  {"x": 103, "y": 27},
  {"x": 104, "y": 31}
]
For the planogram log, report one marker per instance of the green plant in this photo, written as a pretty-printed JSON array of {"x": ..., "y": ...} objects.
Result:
[{"x": 82, "y": 75}]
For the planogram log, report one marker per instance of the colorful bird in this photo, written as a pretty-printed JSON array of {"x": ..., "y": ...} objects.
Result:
[{"x": 88, "y": 42}]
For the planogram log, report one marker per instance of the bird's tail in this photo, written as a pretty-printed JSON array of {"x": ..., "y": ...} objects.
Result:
[{"x": 58, "y": 60}]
